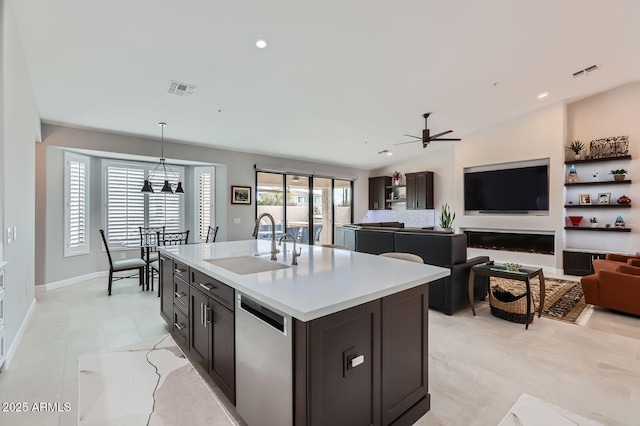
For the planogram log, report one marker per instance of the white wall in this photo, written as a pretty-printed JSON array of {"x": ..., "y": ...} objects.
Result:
[
  {"x": 537, "y": 135},
  {"x": 235, "y": 168},
  {"x": 611, "y": 113},
  {"x": 20, "y": 131}
]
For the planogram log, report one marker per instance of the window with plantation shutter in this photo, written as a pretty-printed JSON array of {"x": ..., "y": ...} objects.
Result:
[
  {"x": 204, "y": 182},
  {"x": 127, "y": 208},
  {"x": 76, "y": 203}
]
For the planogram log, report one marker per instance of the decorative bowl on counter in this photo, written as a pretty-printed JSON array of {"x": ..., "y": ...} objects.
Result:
[
  {"x": 512, "y": 267},
  {"x": 575, "y": 220}
]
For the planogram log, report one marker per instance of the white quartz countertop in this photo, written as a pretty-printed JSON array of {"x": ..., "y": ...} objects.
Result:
[{"x": 325, "y": 280}]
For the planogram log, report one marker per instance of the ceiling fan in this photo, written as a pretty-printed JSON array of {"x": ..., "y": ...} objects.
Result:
[{"x": 426, "y": 135}]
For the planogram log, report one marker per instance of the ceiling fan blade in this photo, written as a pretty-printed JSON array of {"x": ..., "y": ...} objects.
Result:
[
  {"x": 445, "y": 139},
  {"x": 440, "y": 134},
  {"x": 402, "y": 143},
  {"x": 411, "y": 136}
]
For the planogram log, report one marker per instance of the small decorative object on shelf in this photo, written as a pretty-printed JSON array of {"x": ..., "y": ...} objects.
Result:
[
  {"x": 595, "y": 176},
  {"x": 604, "y": 197},
  {"x": 618, "y": 174},
  {"x": 619, "y": 222},
  {"x": 397, "y": 178},
  {"x": 585, "y": 199},
  {"x": 594, "y": 222},
  {"x": 624, "y": 200},
  {"x": 512, "y": 267},
  {"x": 572, "y": 177},
  {"x": 576, "y": 147},
  {"x": 575, "y": 220},
  {"x": 615, "y": 146}
]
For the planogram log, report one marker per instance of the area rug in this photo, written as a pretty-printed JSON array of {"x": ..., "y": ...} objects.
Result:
[
  {"x": 564, "y": 300},
  {"x": 532, "y": 411},
  {"x": 149, "y": 383}
]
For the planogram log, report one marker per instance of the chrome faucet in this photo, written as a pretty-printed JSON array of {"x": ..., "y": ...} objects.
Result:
[
  {"x": 274, "y": 250},
  {"x": 296, "y": 254}
]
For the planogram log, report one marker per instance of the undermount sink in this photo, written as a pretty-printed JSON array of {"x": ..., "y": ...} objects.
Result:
[{"x": 244, "y": 265}]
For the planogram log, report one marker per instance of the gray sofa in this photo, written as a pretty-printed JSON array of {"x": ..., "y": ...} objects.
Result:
[{"x": 439, "y": 248}]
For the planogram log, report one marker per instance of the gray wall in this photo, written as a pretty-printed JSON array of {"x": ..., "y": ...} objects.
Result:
[
  {"x": 232, "y": 168},
  {"x": 20, "y": 130}
]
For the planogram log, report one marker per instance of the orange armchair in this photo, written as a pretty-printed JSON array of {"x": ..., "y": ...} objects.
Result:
[
  {"x": 618, "y": 290},
  {"x": 612, "y": 261}
]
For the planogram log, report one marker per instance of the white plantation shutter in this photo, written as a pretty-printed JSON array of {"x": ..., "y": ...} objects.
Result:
[
  {"x": 76, "y": 214},
  {"x": 204, "y": 202},
  {"x": 127, "y": 208}
]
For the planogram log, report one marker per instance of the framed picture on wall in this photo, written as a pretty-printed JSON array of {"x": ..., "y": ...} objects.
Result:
[
  {"x": 240, "y": 195},
  {"x": 585, "y": 199}
]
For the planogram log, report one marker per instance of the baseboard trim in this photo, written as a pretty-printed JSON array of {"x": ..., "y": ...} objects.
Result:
[
  {"x": 70, "y": 281},
  {"x": 23, "y": 327}
]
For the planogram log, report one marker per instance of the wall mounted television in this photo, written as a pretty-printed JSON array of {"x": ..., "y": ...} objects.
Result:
[{"x": 517, "y": 190}]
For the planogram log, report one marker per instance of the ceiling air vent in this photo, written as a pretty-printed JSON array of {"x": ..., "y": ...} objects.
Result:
[
  {"x": 585, "y": 71},
  {"x": 180, "y": 89}
]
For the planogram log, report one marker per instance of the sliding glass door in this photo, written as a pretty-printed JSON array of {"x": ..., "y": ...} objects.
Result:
[{"x": 306, "y": 207}]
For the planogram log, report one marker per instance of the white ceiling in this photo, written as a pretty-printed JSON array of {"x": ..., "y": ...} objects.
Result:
[{"x": 340, "y": 79}]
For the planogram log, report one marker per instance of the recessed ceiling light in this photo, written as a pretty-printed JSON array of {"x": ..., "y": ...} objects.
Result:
[
  {"x": 543, "y": 95},
  {"x": 261, "y": 43}
]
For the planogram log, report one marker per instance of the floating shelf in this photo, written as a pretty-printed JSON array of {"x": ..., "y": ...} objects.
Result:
[
  {"x": 598, "y": 206},
  {"x": 606, "y": 182},
  {"x": 602, "y": 229},
  {"x": 596, "y": 160}
]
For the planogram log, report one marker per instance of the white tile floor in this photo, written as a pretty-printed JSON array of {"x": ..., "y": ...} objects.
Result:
[{"x": 478, "y": 366}]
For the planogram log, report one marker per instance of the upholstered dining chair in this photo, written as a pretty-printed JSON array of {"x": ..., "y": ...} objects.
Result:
[
  {"x": 211, "y": 234},
  {"x": 404, "y": 256},
  {"x": 122, "y": 265}
]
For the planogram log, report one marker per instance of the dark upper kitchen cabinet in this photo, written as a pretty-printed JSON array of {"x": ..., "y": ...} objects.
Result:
[
  {"x": 419, "y": 190},
  {"x": 378, "y": 192}
]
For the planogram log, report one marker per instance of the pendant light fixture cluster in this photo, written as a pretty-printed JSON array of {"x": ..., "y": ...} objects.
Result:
[{"x": 166, "y": 188}]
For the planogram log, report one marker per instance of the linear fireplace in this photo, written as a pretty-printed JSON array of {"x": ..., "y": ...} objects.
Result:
[{"x": 511, "y": 241}]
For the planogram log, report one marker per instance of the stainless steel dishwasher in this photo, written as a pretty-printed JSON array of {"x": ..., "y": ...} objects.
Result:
[{"x": 264, "y": 364}]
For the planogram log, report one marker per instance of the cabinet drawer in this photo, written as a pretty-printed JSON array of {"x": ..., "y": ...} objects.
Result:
[
  {"x": 181, "y": 271},
  {"x": 181, "y": 295},
  {"x": 214, "y": 289},
  {"x": 181, "y": 326}
]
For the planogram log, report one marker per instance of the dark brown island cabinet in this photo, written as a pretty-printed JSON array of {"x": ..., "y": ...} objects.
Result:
[
  {"x": 419, "y": 190},
  {"x": 365, "y": 365}
]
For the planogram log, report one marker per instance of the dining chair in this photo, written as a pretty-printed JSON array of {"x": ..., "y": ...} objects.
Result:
[
  {"x": 149, "y": 244},
  {"x": 122, "y": 265},
  {"x": 167, "y": 239},
  {"x": 404, "y": 256},
  {"x": 211, "y": 234}
]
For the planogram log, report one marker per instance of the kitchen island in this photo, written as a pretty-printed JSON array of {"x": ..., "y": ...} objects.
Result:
[{"x": 343, "y": 339}]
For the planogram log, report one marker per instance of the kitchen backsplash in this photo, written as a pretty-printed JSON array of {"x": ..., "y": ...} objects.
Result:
[{"x": 411, "y": 218}]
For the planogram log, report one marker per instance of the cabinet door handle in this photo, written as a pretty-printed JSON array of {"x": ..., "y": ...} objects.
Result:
[
  {"x": 178, "y": 326},
  {"x": 208, "y": 316},
  {"x": 201, "y": 313},
  {"x": 179, "y": 295}
]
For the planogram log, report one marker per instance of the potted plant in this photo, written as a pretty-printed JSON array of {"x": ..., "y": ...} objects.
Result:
[
  {"x": 576, "y": 146},
  {"x": 594, "y": 222},
  {"x": 618, "y": 174},
  {"x": 446, "y": 218},
  {"x": 397, "y": 178}
]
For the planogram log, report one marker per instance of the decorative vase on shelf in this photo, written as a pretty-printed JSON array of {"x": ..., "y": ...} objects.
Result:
[
  {"x": 619, "y": 177},
  {"x": 624, "y": 200},
  {"x": 572, "y": 177},
  {"x": 619, "y": 222}
]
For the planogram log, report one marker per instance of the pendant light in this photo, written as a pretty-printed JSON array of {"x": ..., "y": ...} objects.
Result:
[{"x": 166, "y": 188}]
